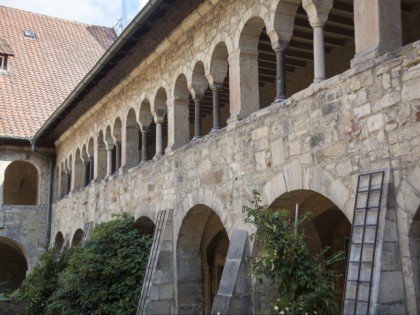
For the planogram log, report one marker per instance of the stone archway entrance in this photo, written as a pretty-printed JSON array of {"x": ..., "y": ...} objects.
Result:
[
  {"x": 326, "y": 227},
  {"x": 201, "y": 254},
  {"x": 13, "y": 266}
]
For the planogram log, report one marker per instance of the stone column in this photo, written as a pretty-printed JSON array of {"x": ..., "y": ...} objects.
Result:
[
  {"x": 130, "y": 146},
  {"x": 109, "y": 160},
  {"x": 144, "y": 145},
  {"x": 243, "y": 84},
  {"x": 377, "y": 28},
  {"x": 178, "y": 122},
  {"x": 317, "y": 11},
  {"x": 91, "y": 169},
  {"x": 100, "y": 162},
  {"x": 215, "y": 87},
  {"x": 159, "y": 147},
  {"x": 197, "y": 118},
  {"x": 68, "y": 188},
  {"x": 87, "y": 174},
  {"x": 117, "y": 155},
  {"x": 280, "y": 48}
]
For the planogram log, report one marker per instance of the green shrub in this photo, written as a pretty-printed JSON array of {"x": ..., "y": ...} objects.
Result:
[
  {"x": 37, "y": 288},
  {"x": 303, "y": 283},
  {"x": 103, "y": 276}
]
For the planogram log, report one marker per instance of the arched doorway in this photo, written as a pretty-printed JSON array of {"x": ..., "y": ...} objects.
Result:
[
  {"x": 58, "y": 241},
  {"x": 20, "y": 184},
  {"x": 13, "y": 266},
  {"x": 201, "y": 254},
  {"x": 327, "y": 226}
]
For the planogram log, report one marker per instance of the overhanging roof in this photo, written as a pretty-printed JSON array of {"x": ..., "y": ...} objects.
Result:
[{"x": 154, "y": 23}]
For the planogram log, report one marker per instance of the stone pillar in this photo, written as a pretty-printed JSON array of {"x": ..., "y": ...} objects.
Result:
[
  {"x": 178, "y": 122},
  {"x": 100, "y": 162},
  {"x": 144, "y": 145},
  {"x": 243, "y": 84},
  {"x": 317, "y": 11},
  {"x": 159, "y": 147},
  {"x": 215, "y": 87},
  {"x": 197, "y": 91},
  {"x": 377, "y": 28},
  {"x": 109, "y": 160},
  {"x": 68, "y": 186},
  {"x": 91, "y": 169},
  {"x": 77, "y": 178},
  {"x": 280, "y": 48},
  {"x": 197, "y": 119},
  {"x": 117, "y": 155},
  {"x": 130, "y": 146},
  {"x": 87, "y": 173}
]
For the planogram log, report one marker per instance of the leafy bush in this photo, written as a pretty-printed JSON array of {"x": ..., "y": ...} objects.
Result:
[
  {"x": 302, "y": 281},
  {"x": 37, "y": 288},
  {"x": 103, "y": 276}
]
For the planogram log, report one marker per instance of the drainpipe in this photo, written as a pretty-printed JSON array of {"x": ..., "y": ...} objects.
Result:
[{"x": 51, "y": 159}]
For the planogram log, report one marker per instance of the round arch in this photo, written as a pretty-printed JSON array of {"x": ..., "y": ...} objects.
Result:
[
  {"x": 59, "y": 241},
  {"x": 13, "y": 265},
  {"x": 205, "y": 197},
  {"x": 296, "y": 177},
  {"x": 25, "y": 247},
  {"x": 145, "y": 224},
  {"x": 201, "y": 252},
  {"x": 408, "y": 203},
  {"x": 21, "y": 184},
  {"x": 77, "y": 237}
]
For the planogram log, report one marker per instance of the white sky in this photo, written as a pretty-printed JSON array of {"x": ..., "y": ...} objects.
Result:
[{"x": 96, "y": 12}]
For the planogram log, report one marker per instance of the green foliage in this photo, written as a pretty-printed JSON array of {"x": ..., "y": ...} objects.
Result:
[
  {"x": 303, "y": 282},
  {"x": 104, "y": 275},
  {"x": 37, "y": 288}
]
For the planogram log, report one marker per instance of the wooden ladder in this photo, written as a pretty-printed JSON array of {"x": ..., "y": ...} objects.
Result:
[
  {"x": 364, "y": 232},
  {"x": 151, "y": 264}
]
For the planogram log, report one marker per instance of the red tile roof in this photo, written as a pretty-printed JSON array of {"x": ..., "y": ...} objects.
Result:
[{"x": 45, "y": 70}]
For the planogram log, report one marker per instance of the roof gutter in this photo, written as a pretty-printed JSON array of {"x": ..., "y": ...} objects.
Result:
[{"x": 140, "y": 18}]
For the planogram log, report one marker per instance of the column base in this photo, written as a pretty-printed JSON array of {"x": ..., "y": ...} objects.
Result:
[
  {"x": 196, "y": 138},
  {"x": 215, "y": 130},
  {"x": 279, "y": 99}
]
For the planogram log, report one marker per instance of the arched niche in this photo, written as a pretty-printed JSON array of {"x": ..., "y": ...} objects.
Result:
[{"x": 21, "y": 181}]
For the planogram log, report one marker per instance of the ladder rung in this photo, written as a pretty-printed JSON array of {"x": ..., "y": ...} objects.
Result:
[
  {"x": 367, "y": 208},
  {"x": 360, "y": 262},
  {"x": 359, "y": 244},
  {"x": 358, "y": 281},
  {"x": 368, "y": 225},
  {"x": 369, "y": 190}
]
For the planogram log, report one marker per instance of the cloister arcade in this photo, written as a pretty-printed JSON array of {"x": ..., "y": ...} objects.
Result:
[{"x": 266, "y": 59}]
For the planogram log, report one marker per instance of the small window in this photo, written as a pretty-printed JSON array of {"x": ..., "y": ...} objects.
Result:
[
  {"x": 29, "y": 34},
  {"x": 3, "y": 64}
]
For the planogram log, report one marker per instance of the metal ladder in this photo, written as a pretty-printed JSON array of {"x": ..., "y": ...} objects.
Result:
[
  {"x": 151, "y": 264},
  {"x": 363, "y": 243}
]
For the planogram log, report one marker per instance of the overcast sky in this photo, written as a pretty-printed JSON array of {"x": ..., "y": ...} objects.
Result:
[{"x": 96, "y": 12}]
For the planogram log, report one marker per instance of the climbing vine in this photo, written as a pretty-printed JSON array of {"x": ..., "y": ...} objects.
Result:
[{"x": 303, "y": 283}]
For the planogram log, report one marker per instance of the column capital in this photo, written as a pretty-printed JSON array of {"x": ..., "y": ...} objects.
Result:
[
  {"x": 159, "y": 119},
  {"x": 216, "y": 86},
  {"x": 317, "y": 11},
  {"x": 280, "y": 45}
]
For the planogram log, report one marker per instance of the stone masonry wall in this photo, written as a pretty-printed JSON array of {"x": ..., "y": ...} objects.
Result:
[{"x": 319, "y": 139}]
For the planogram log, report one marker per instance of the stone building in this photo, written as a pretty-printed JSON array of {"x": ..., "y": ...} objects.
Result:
[
  {"x": 197, "y": 103},
  {"x": 35, "y": 78}
]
